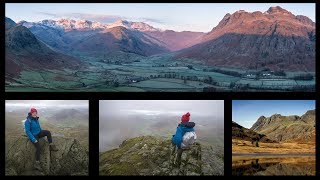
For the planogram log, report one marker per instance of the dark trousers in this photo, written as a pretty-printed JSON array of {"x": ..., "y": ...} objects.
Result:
[
  {"x": 41, "y": 134},
  {"x": 177, "y": 152}
]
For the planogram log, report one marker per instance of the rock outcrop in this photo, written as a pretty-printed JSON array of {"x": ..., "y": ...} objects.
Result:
[
  {"x": 239, "y": 132},
  {"x": 71, "y": 159},
  {"x": 287, "y": 128},
  {"x": 148, "y": 155}
]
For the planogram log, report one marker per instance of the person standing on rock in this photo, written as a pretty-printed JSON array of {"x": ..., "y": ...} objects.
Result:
[
  {"x": 34, "y": 133},
  {"x": 177, "y": 139}
]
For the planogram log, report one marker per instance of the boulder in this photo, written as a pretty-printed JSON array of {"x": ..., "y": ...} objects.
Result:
[{"x": 71, "y": 159}]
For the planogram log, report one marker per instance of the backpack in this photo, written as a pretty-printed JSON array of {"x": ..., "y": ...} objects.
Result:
[
  {"x": 188, "y": 139},
  {"x": 24, "y": 126}
]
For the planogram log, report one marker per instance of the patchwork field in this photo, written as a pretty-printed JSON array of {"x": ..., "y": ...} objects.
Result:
[{"x": 155, "y": 73}]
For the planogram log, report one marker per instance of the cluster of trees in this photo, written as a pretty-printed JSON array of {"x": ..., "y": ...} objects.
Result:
[
  {"x": 166, "y": 65},
  {"x": 209, "y": 89},
  {"x": 239, "y": 87},
  {"x": 114, "y": 83},
  {"x": 111, "y": 62},
  {"x": 231, "y": 73},
  {"x": 304, "y": 88},
  {"x": 166, "y": 75},
  {"x": 207, "y": 79},
  {"x": 280, "y": 73},
  {"x": 305, "y": 77}
]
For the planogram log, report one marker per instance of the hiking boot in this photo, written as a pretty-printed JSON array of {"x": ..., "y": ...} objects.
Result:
[
  {"x": 53, "y": 147},
  {"x": 37, "y": 166}
]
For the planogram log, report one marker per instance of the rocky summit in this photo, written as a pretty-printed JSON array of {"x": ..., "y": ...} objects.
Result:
[
  {"x": 275, "y": 39},
  {"x": 71, "y": 159},
  {"x": 287, "y": 128},
  {"x": 148, "y": 155}
]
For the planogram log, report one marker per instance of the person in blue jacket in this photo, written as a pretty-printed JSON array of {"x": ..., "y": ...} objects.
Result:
[
  {"x": 183, "y": 127},
  {"x": 34, "y": 133}
]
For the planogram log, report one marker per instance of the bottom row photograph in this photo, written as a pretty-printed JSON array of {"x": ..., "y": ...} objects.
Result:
[{"x": 161, "y": 137}]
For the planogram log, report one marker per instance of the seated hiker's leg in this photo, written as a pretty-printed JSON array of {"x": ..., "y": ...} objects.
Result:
[
  {"x": 173, "y": 149},
  {"x": 49, "y": 137},
  {"x": 37, "y": 145},
  {"x": 44, "y": 133},
  {"x": 179, "y": 154}
]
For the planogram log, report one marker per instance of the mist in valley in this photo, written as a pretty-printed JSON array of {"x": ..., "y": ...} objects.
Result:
[
  {"x": 122, "y": 119},
  {"x": 72, "y": 112},
  {"x": 66, "y": 118}
]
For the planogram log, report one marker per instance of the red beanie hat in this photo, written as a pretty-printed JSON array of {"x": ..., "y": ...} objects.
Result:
[
  {"x": 33, "y": 110},
  {"x": 185, "y": 117}
]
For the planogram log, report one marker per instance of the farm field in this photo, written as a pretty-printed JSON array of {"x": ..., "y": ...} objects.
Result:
[{"x": 154, "y": 73}]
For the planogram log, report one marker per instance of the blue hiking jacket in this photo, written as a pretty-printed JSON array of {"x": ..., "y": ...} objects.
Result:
[
  {"x": 32, "y": 127},
  {"x": 181, "y": 130}
]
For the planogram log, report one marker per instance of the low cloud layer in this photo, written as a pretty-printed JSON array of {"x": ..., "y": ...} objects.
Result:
[
  {"x": 47, "y": 103},
  {"x": 102, "y": 18}
]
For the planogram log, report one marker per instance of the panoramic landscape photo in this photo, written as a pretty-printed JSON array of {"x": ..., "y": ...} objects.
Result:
[
  {"x": 150, "y": 137},
  {"x": 179, "y": 47},
  {"x": 274, "y": 137}
]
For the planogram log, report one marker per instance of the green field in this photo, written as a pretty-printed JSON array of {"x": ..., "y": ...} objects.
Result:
[{"x": 156, "y": 73}]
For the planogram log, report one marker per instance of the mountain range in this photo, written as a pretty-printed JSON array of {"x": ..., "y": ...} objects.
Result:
[
  {"x": 276, "y": 39},
  {"x": 134, "y": 37},
  {"x": 287, "y": 128},
  {"x": 25, "y": 51},
  {"x": 278, "y": 128}
]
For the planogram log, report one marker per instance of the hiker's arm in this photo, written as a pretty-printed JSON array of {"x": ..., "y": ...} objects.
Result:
[
  {"x": 177, "y": 138},
  {"x": 39, "y": 125},
  {"x": 28, "y": 132}
]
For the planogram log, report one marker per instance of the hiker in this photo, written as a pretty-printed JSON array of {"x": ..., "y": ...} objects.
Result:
[
  {"x": 34, "y": 133},
  {"x": 178, "y": 139}
]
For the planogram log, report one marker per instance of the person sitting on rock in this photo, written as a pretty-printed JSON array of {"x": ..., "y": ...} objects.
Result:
[
  {"x": 34, "y": 133},
  {"x": 177, "y": 139}
]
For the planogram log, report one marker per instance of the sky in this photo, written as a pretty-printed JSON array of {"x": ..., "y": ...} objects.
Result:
[
  {"x": 247, "y": 112},
  {"x": 157, "y": 107},
  {"x": 38, "y": 104},
  {"x": 200, "y": 17}
]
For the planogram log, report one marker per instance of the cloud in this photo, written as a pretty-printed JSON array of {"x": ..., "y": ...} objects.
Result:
[
  {"x": 103, "y": 18},
  {"x": 152, "y": 20}
]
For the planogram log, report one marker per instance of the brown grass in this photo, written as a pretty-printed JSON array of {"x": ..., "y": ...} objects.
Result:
[{"x": 244, "y": 147}]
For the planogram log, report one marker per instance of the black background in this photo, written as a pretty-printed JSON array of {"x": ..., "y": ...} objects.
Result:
[{"x": 95, "y": 97}]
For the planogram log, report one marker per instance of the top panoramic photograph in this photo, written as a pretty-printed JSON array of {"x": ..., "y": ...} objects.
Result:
[{"x": 119, "y": 47}]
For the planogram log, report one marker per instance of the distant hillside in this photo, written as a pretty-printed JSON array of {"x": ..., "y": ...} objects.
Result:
[
  {"x": 71, "y": 117},
  {"x": 287, "y": 128},
  {"x": 121, "y": 39},
  {"x": 24, "y": 52},
  {"x": 239, "y": 132}
]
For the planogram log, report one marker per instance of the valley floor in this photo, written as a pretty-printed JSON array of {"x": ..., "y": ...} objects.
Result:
[
  {"x": 245, "y": 147},
  {"x": 155, "y": 73}
]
